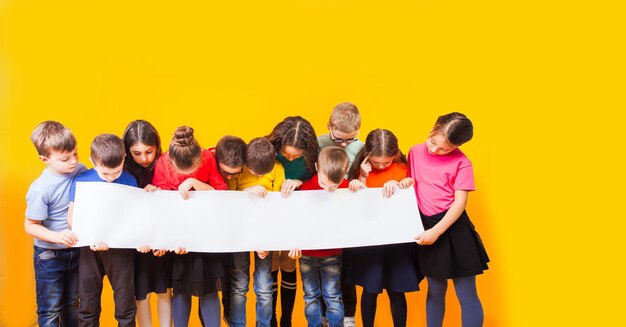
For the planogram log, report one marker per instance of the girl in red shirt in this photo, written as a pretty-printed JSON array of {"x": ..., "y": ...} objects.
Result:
[{"x": 188, "y": 167}]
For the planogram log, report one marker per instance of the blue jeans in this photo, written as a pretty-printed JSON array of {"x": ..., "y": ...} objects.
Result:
[
  {"x": 56, "y": 278},
  {"x": 240, "y": 279},
  {"x": 321, "y": 277}
]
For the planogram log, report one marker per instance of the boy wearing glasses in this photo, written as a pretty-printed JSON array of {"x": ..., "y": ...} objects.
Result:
[
  {"x": 230, "y": 154},
  {"x": 343, "y": 127}
]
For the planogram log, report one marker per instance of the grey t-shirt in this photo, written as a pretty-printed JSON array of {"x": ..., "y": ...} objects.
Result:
[
  {"x": 48, "y": 199},
  {"x": 351, "y": 149}
]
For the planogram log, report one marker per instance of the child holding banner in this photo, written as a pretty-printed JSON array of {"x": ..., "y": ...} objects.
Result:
[
  {"x": 47, "y": 203},
  {"x": 186, "y": 167},
  {"x": 296, "y": 146},
  {"x": 451, "y": 247},
  {"x": 391, "y": 267},
  {"x": 96, "y": 261},
  {"x": 153, "y": 269},
  {"x": 320, "y": 270},
  {"x": 261, "y": 173}
]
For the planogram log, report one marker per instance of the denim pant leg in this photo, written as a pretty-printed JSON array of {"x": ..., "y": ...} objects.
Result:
[
  {"x": 310, "y": 275},
  {"x": 70, "y": 289},
  {"x": 330, "y": 270},
  {"x": 239, "y": 283},
  {"x": 263, "y": 289},
  {"x": 54, "y": 270}
]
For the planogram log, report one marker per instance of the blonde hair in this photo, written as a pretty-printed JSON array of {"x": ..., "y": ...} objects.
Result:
[
  {"x": 333, "y": 162},
  {"x": 345, "y": 118},
  {"x": 52, "y": 136}
]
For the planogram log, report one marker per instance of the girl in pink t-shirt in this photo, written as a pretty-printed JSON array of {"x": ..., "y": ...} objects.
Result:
[{"x": 450, "y": 247}]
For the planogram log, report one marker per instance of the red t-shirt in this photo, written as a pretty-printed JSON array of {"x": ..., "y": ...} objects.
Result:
[
  {"x": 166, "y": 177},
  {"x": 310, "y": 185}
]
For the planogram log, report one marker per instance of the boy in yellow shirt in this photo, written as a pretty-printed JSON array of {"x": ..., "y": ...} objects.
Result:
[{"x": 261, "y": 174}]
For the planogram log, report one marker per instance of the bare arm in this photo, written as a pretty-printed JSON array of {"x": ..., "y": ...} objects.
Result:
[
  {"x": 35, "y": 229},
  {"x": 456, "y": 209}
]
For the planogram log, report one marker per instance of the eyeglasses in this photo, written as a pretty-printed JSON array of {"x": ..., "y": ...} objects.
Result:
[
  {"x": 339, "y": 140},
  {"x": 223, "y": 172}
]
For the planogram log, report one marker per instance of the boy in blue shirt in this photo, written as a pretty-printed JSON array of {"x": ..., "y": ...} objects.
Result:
[
  {"x": 107, "y": 156},
  {"x": 47, "y": 202}
]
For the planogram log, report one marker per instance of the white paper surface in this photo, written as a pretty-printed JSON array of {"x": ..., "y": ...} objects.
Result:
[{"x": 234, "y": 221}]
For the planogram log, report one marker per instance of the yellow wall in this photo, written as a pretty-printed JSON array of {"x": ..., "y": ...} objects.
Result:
[{"x": 542, "y": 81}]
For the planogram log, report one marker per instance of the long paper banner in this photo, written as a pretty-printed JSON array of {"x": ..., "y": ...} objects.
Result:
[{"x": 231, "y": 221}]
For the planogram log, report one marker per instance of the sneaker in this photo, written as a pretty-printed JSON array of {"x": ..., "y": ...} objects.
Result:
[
  {"x": 324, "y": 322},
  {"x": 349, "y": 322}
]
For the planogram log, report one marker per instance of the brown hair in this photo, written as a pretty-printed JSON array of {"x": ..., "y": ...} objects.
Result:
[
  {"x": 333, "y": 161},
  {"x": 140, "y": 131},
  {"x": 379, "y": 142},
  {"x": 184, "y": 151},
  {"x": 345, "y": 118},
  {"x": 107, "y": 150},
  {"x": 298, "y": 133},
  {"x": 52, "y": 136},
  {"x": 231, "y": 151},
  {"x": 455, "y": 127},
  {"x": 260, "y": 156}
]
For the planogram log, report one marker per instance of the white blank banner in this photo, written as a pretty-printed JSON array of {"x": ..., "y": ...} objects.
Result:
[{"x": 231, "y": 221}]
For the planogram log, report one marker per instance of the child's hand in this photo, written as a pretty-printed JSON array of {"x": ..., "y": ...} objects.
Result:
[
  {"x": 366, "y": 167},
  {"x": 389, "y": 188},
  {"x": 406, "y": 182},
  {"x": 184, "y": 188},
  {"x": 262, "y": 254},
  {"x": 181, "y": 250},
  {"x": 151, "y": 188},
  {"x": 99, "y": 246},
  {"x": 356, "y": 185},
  {"x": 427, "y": 237},
  {"x": 158, "y": 253},
  {"x": 145, "y": 248},
  {"x": 257, "y": 190},
  {"x": 295, "y": 254},
  {"x": 289, "y": 185},
  {"x": 66, "y": 237}
]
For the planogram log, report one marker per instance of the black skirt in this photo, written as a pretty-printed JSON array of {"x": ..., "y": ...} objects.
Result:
[
  {"x": 152, "y": 274},
  {"x": 198, "y": 274},
  {"x": 458, "y": 252},
  {"x": 393, "y": 267}
]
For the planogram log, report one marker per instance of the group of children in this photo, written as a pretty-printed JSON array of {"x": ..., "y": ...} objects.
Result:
[{"x": 290, "y": 158}]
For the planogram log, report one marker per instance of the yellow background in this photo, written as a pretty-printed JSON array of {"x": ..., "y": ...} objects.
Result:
[{"x": 543, "y": 82}]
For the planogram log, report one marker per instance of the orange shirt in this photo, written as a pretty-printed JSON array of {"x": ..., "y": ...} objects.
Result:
[{"x": 377, "y": 178}]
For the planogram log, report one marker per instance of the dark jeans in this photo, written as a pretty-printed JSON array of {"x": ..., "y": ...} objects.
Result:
[
  {"x": 119, "y": 266},
  {"x": 56, "y": 279}
]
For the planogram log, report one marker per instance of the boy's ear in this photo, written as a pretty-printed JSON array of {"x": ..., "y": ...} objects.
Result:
[
  {"x": 44, "y": 159},
  {"x": 91, "y": 160},
  {"x": 316, "y": 167}
]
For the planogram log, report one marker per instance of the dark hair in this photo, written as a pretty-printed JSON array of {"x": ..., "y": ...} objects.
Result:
[
  {"x": 52, "y": 136},
  {"x": 379, "y": 142},
  {"x": 231, "y": 151},
  {"x": 260, "y": 156},
  {"x": 333, "y": 161},
  {"x": 107, "y": 150},
  {"x": 297, "y": 132},
  {"x": 455, "y": 127},
  {"x": 184, "y": 152},
  {"x": 140, "y": 131}
]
